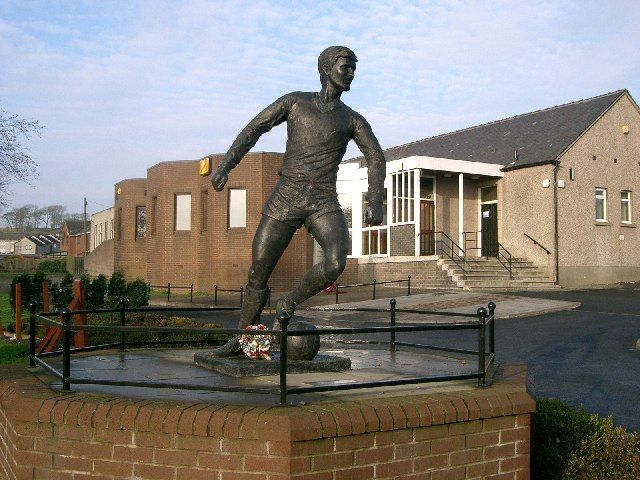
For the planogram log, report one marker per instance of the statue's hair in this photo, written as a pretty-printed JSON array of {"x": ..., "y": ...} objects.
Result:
[{"x": 330, "y": 56}]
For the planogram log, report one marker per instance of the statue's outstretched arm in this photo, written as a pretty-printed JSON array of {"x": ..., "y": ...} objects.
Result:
[
  {"x": 273, "y": 115},
  {"x": 376, "y": 170}
]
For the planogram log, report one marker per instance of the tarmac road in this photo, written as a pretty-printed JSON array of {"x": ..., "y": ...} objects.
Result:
[{"x": 583, "y": 356}]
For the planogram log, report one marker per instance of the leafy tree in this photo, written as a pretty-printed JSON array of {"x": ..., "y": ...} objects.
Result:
[{"x": 15, "y": 163}]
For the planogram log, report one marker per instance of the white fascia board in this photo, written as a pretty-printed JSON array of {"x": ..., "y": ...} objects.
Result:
[
  {"x": 350, "y": 174},
  {"x": 445, "y": 165}
]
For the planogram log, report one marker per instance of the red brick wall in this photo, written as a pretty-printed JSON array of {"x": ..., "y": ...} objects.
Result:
[
  {"x": 130, "y": 252},
  {"x": 215, "y": 255},
  {"x": 467, "y": 434}
]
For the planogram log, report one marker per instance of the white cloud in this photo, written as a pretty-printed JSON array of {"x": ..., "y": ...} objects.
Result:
[{"x": 123, "y": 87}]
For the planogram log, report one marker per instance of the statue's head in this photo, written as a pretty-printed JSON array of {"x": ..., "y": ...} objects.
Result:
[{"x": 332, "y": 55}]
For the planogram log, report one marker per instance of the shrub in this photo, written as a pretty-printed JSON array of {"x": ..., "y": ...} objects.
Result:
[
  {"x": 116, "y": 287},
  {"x": 558, "y": 432},
  {"x": 96, "y": 292},
  {"x": 52, "y": 266},
  {"x": 150, "y": 320},
  {"x": 609, "y": 453},
  {"x": 62, "y": 293},
  {"x": 137, "y": 293}
]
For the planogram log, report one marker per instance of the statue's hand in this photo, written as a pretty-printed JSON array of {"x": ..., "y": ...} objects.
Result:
[
  {"x": 373, "y": 214},
  {"x": 219, "y": 179}
]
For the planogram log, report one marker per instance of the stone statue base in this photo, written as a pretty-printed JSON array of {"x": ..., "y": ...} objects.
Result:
[{"x": 242, "y": 366}]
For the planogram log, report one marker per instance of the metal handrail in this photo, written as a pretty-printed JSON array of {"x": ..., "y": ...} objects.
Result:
[
  {"x": 508, "y": 260},
  {"x": 537, "y": 243},
  {"x": 484, "y": 324},
  {"x": 456, "y": 258},
  {"x": 338, "y": 286},
  {"x": 474, "y": 240}
]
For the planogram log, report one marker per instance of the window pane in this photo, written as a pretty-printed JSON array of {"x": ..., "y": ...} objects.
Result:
[
  {"x": 141, "y": 223},
  {"x": 365, "y": 242},
  {"x": 374, "y": 242},
  {"x": 350, "y": 248},
  {"x": 625, "y": 206},
  {"x": 347, "y": 207},
  {"x": 183, "y": 212},
  {"x": 599, "y": 209},
  {"x": 383, "y": 241},
  {"x": 426, "y": 188},
  {"x": 489, "y": 194},
  {"x": 237, "y": 208},
  {"x": 364, "y": 208}
]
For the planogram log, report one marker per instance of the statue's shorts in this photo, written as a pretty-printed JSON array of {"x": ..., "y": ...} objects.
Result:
[{"x": 299, "y": 203}]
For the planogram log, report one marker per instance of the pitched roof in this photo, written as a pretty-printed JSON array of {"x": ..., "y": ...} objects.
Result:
[
  {"x": 76, "y": 227},
  {"x": 538, "y": 137}
]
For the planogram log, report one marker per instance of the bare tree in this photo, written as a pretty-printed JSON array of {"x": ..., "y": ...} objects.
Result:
[
  {"x": 57, "y": 214},
  {"x": 15, "y": 163},
  {"x": 19, "y": 218}
]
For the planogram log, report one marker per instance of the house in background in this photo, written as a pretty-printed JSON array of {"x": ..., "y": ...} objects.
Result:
[
  {"x": 6, "y": 246},
  {"x": 101, "y": 256},
  {"x": 43, "y": 244},
  {"x": 8, "y": 240},
  {"x": 522, "y": 202},
  {"x": 26, "y": 246},
  {"x": 101, "y": 227},
  {"x": 74, "y": 239},
  {"x": 75, "y": 242}
]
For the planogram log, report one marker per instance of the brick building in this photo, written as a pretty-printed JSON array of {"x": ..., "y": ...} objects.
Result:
[
  {"x": 548, "y": 194},
  {"x": 173, "y": 227},
  {"x": 74, "y": 239}
]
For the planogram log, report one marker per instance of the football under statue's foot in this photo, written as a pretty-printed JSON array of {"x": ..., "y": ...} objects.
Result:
[{"x": 229, "y": 349}]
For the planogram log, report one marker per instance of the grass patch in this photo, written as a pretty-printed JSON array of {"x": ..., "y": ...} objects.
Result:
[
  {"x": 7, "y": 316},
  {"x": 13, "y": 352}
]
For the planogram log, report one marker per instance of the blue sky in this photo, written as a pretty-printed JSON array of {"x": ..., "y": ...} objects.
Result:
[{"x": 123, "y": 85}]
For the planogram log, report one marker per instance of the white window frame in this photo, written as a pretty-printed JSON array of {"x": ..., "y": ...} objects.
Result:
[
  {"x": 182, "y": 212},
  {"x": 602, "y": 196},
  {"x": 628, "y": 203},
  {"x": 366, "y": 231},
  {"x": 237, "y": 212},
  {"x": 402, "y": 197}
]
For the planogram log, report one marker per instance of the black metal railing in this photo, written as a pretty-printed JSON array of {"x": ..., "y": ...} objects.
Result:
[
  {"x": 240, "y": 290},
  {"x": 450, "y": 249},
  {"x": 506, "y": 259},
  {"x": 373, "y": 284},
  {"x": 471, "y": 241},
  {"x": 168, "y": 287},
  {"x": 535, "y": 242},
  {"x": 484, "y": 324}
]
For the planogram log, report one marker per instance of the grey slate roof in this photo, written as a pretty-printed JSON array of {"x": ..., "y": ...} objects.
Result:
[{"x": 538, "y": 137}]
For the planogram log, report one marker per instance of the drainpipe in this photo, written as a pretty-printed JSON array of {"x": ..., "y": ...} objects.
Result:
[{"x": 556, "y": 242}]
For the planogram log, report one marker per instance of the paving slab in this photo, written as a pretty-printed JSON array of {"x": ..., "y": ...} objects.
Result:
[
  {"x": 175, "y": 368},
  {"x": 508, "y": 306}
]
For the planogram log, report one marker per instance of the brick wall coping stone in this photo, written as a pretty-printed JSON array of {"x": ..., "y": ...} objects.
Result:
[{"x": 24, "y": 398}]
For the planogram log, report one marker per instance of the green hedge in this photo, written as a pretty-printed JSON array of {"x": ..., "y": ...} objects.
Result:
[{"x": 570, "y": 444}]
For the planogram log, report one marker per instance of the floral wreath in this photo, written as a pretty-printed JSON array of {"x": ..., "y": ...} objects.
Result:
[{"x": 256, "y": 346}]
